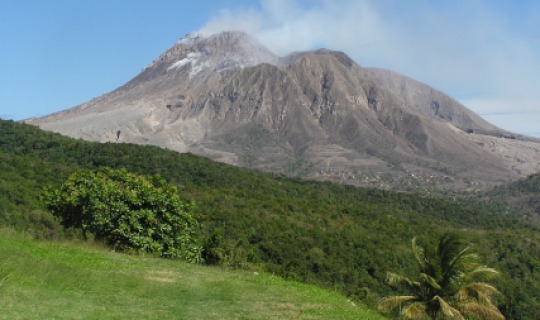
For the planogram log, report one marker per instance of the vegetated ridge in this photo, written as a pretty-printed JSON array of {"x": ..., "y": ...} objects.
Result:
[
  {"x": 336, "y": 236},
  {"x": 524, "y": 194},
  {"x": 316, "y": 115}
]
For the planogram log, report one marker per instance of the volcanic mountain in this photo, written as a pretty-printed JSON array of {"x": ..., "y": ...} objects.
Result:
[{"x": 314, "y": 114}]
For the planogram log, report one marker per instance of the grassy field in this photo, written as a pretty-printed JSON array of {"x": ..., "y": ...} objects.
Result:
[{"x": 52, "y": 280}]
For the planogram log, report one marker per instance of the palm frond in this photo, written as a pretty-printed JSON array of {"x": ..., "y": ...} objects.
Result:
[
  {"x": 478, "y": 291},
  {"x": 464, "y": 260},
  {"x": 393, "y": 302},
  {"x": 415, "y": 310},
  {"x": 449, "y": 246},
  {"x": 446, "y": 309},
  {"x": 419, "y": 254},
  {"x": 430, "y": 281},
  {"x": 455, "y": 255},
  {"x": 481, "y": 311},
  {"x": 480, "y": 273},
  {"x": 395, "y": 279}
]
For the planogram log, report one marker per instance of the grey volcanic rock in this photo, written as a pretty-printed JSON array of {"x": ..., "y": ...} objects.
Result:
[{"x": 310, "y": 114}]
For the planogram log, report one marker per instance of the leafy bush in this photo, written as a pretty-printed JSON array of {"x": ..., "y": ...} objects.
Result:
[
  {"x": 127, "y": 211},
  {"x": 224, "y": 252}
]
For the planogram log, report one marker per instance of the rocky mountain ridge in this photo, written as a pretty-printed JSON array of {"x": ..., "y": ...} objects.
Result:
[{"x": 317, "y": 115}]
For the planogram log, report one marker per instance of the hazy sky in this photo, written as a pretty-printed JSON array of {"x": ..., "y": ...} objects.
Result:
[{"x": 485, "y": 53}]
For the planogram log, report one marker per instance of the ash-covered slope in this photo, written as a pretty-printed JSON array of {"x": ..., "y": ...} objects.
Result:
[{"x": 313, "y": 114}]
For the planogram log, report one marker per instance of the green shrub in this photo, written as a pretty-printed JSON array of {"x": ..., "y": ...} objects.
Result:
[
  {"x": 127, "y": 211},
  {"x": 224, "y": 252}
]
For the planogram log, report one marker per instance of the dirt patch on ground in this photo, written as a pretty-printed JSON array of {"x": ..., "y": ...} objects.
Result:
[
  {"x": 160, "y": 279},
  {"x": 160, "y": 276}
]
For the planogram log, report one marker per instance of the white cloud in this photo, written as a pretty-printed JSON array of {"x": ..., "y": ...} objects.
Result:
[
  {"x": 516, "y": 115},
  {"x": 470, "y": 49},
  {"x": 286, "y": 26}
]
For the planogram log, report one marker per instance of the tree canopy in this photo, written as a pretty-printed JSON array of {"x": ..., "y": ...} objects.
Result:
[
  {"x": 452, "y": 283},
  {"x": 127, "y": 211}
]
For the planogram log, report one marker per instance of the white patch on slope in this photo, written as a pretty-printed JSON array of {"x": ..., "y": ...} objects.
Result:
[
  {"x": 192, "y": 58},
  {"x": 197, "y": 65},
  {"x": 195, "y": 69}
]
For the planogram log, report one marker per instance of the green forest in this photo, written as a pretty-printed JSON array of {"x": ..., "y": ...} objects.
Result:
[{"x": 334, "y": 236}]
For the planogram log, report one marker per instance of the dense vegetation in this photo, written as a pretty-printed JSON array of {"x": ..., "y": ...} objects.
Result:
[
  {"x": 128, "y": 212},
  {"x": 335, "y": 236},
  {"x": 523, "y": 194}
]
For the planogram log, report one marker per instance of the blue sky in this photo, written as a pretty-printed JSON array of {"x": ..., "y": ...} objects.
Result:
[{"x": 485, "y": 53}]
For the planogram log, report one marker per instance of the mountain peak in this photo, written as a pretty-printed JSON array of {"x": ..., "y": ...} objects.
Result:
[
  {"x": 225, "y": 38},
  {"x": 316, "y": 114},
  {"x": 216, "y": 53},
  {"x": 190, "y": 38}
]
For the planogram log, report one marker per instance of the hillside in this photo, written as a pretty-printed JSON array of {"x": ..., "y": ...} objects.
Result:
[
  {"x": 57, "y": 280},
  {"x": 317, "y": 115},
  {"x": 332, "y": 235},
  {"x": 524, "y": 194}
]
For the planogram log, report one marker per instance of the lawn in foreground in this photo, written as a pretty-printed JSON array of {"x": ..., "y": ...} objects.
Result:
[{"x": 51, "y": 280}]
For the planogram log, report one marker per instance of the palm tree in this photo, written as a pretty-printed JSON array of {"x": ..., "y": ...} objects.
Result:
[{"x": 452, "y": 284}]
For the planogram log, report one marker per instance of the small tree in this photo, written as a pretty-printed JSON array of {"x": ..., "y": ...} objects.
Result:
[
  {"x": 452, "y": 284},
  {"x": 127, "y": 211}
]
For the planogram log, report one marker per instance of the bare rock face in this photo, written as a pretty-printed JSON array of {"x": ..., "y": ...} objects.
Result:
[{"x": 313, "y": 114}]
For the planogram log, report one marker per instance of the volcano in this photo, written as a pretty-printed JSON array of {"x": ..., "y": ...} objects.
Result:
[{"x": 315, "y": 115}]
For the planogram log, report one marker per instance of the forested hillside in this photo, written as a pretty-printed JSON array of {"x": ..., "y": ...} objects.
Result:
[
  {"x": 332, "y": 235},
  {"x": 523, "y": 194}
]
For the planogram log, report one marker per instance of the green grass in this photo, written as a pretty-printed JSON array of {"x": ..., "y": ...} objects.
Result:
[{"x": 53, "y": 280}]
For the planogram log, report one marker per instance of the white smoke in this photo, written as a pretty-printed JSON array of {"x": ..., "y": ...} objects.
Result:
[
  {"x": 287, "y": 26},
  {"x": 465, "y": 48}
]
